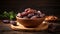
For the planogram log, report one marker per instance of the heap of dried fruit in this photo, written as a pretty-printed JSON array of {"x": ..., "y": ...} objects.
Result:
[{"x": 31, "y": 13}]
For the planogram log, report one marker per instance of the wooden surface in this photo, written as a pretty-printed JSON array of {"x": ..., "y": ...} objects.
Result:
[
  {"x": 5, "y": 29},
  {"x": 43, "y": 26}
]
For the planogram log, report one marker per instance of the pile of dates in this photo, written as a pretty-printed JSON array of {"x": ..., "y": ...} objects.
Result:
[{"x": 31, "y": 14}]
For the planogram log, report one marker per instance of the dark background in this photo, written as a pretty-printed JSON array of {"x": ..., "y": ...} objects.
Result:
[{"x": 49, "y": 7}]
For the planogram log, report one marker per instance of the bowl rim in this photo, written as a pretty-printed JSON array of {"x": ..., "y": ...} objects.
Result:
[{"x": 29, "y": 19}]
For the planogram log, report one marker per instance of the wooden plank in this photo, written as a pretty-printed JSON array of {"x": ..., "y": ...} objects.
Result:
[{"x": 21, "y": 27}]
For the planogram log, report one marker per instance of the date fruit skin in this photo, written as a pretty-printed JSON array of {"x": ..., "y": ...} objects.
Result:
[
  {"x": 13, "y": 23},
  {"x": 6, "y": 21},
  {"x": 30, "y": 15},
  {"x": 33, "y": 17},
  {"x": 19, "y": 14}
]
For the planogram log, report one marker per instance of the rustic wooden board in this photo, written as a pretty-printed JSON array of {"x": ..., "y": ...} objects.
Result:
[{"x": 43, "y": 26}]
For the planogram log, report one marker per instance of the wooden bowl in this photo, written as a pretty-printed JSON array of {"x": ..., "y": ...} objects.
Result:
[{"x": 30, "y": 23}]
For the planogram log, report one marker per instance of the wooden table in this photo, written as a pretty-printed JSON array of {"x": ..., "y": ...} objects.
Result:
[{"x": 5, "y": 29}]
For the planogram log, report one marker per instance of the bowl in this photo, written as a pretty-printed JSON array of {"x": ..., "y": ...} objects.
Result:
[{"x": 30, "y": 23}]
